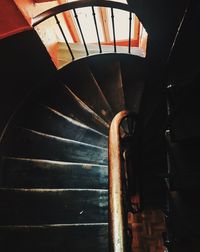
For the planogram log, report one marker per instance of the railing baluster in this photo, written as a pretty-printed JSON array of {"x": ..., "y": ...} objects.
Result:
[
  {"x": 81, "y": 32},
  {"x": 113, "y": 27},
  {"x": 95, "y": 23},
  {"x": 130, "y": 30},
  {"x": 61, "y": 29}
]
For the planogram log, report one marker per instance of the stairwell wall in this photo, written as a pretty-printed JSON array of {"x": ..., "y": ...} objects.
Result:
[{"x": 25, "y": 64}]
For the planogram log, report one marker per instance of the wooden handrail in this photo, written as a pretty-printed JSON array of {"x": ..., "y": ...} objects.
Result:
[
  {"x": 117, "y": 225},
  {"x": 78, "y": 4}
]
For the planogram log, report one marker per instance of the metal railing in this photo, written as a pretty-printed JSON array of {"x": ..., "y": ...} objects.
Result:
[
  {"x": 73, "y": 6},
  {"x": 119, "y": 203}
]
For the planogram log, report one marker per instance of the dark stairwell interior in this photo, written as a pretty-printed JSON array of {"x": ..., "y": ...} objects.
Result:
[{"x": 54, "y": 128}]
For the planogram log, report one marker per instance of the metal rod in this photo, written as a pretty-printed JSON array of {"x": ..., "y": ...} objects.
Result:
[
  {"x": 81, "y": 32},
  {"x": 61, "y": 29},
  {"x": 113, "y": 27},
  {"x": 130, "y": 29},
  {"x": 181, "y": 24},
  {"x": 96, "y": 27},
  {"x": 117, "y": 228}
]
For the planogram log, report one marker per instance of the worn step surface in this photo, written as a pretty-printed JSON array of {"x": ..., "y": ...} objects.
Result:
[
  {"x": 36, "y": 173},
  {"x": 31, "y": 144},
  {"x": 85, "y": 86},
  {"x": 50, "y": 121},
  {"x": 44, "y": 206},
  {"x": 62, "y": 99},
  {"x": 53, "y": 238}
]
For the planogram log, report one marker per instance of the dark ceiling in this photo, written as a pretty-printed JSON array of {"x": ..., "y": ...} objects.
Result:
[{"x": 162, "y": 18}]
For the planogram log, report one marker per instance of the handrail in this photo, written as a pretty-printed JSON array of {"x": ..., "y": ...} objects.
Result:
[
  {"x": 78, "y": 4},
  {"x": 117, "y": 230}
]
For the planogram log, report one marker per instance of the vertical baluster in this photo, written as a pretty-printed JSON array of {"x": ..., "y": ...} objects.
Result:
[
  {"x": 130, "y": 30},
  {"x": 113, "y": 26},
  {"x": 95, "y": 23},
  {"x": 63, "y": 34},
  {"x": 81, "y": 32}
]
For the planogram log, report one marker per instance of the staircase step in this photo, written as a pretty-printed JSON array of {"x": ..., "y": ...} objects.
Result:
[
  {"x": 49, "y": 238},
  {"x": 108, "y": 76},
  {"x": 59, "y": 98},
  {"x": 44, "y": 206},
  {"x": 36, "y": 173},
  {"x": 81, "y": 81},
  {"x": 47, "y": 120},
  {"x": 31, "y": 144}
]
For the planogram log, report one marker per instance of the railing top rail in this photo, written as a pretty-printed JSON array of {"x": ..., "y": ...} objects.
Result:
[{"x": 78, "y": 4}]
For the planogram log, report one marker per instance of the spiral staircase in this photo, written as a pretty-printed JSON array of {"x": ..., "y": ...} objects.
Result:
[
  {"x": 53, "y": 176},
  {"x": 54, "y": 156},
  {"x": 54, "y": 181}
]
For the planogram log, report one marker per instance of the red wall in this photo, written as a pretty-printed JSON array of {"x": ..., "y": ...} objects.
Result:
[
  {"x": 24, "y": 6},
  {"x": 11, "y": 19}
]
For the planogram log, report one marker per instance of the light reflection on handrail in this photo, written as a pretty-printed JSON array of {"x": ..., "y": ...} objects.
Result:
[{"x": 117, "y": 225}]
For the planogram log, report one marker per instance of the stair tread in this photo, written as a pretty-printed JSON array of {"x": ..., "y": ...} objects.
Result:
[
  {"x": 73, "y": 238},
  {"x": 88, "y": 109},
  {"x": 31, "y": 144},
  {"x": 84, "y": 85},
  {"x": 38, "y": 206},
  {"x": 61, "y": 99},
  {"x": 47, "y": 120},
  {"x": 21, "y": 172}
]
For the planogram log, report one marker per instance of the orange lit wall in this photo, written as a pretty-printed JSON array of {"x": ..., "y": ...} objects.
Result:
[
  {"x": 30, "y": 8},
  {"x": 11, "y": 19},
  {"x": 24, "y": 6}
]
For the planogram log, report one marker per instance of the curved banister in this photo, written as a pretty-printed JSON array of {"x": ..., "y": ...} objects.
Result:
[
  {"x": 117, "y": 225},
  {"x": 78, "y": 4}
]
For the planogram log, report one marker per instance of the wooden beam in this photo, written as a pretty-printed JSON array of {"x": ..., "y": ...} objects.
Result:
[
  {"x": 104, "y": 22},
  {"x": 136, "y": 34},
  {"x": 70, "y": 23}
]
